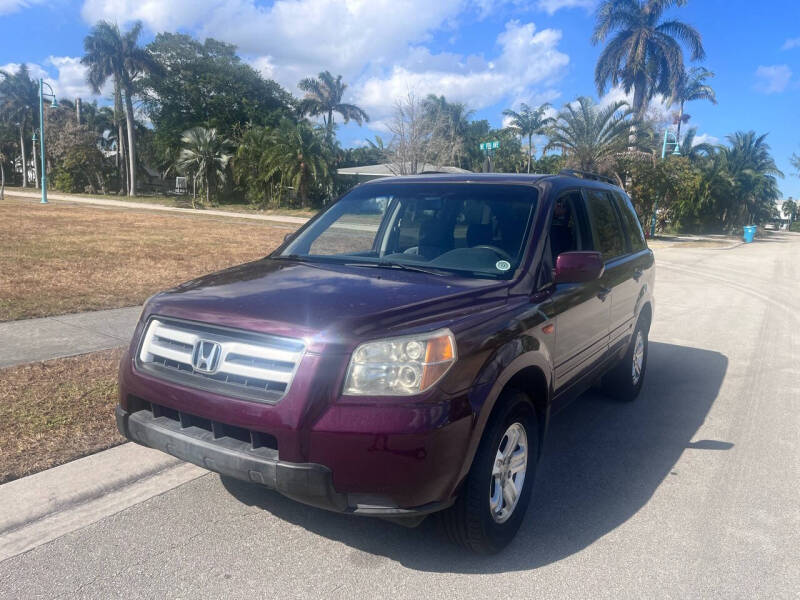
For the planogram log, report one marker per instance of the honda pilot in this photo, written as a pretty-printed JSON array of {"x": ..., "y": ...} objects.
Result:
[{"x": 402, "y": 353}]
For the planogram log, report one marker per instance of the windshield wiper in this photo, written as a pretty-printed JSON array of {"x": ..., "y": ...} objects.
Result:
[{"x": 401, "y": 266}]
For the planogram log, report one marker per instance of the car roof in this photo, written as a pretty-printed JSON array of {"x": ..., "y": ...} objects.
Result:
[{"x": 509, "y": 178}]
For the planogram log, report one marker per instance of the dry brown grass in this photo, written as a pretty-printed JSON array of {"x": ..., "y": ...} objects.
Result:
[
  {"x": 62, "y": 258},
  {"x": 56, "y": 411}
]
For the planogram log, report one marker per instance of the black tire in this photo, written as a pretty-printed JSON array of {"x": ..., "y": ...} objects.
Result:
[
  {"x": 621, "y": 382},
  {"x": 469, "y": 522}
]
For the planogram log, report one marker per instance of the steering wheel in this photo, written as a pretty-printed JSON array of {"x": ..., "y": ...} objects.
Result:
[{"x": 499, "y": 251}]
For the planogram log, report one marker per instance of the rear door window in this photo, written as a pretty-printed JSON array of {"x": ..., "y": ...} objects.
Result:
[
  {"x": 630, "y": 219},
  {"x": 606, "y": 227}
]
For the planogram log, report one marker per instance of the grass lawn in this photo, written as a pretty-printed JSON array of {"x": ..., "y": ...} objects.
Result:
[
  {"x": 63, "y": 257},
  {"x": 56, "y": 411}
]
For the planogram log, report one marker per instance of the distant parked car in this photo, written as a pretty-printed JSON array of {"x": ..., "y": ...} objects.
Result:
[{"x": 403, "y": 352}]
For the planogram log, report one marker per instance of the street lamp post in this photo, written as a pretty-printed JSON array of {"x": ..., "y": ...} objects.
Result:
[
  {"x": 42, "y": 95},
  {"x": 675, "y": 152}
]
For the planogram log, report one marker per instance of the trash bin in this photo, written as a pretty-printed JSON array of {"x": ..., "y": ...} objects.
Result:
[{"x": 749, "y": 233}]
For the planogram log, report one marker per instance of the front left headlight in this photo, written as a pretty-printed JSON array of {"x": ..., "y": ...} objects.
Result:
[{"x": 400, "y": 366}]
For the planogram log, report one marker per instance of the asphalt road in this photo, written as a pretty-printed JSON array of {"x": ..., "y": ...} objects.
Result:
[{"x": 691, "y": 492}]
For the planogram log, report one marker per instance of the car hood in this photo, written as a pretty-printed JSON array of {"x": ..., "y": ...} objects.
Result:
[{"x": 325, "y": 303}]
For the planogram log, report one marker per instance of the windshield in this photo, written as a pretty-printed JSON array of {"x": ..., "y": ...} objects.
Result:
[{"x": 474, "y": 230}]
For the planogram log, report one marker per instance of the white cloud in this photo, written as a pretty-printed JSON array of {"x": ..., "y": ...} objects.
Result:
[
  {"x": 34, "y": 70},
  {"x": 658, "y": 109},
  {"x": 69, "y": 81},
  {"x": 551, "y": 6},
  {"x": 11, "y": 6},
  {"x": 527, "y": 58},
  {"x": 292, "y": 39},
  {"x": 791, "y": 43},
  {"x": 773, "y": 79},
  {"x": 705, "y": 138}
]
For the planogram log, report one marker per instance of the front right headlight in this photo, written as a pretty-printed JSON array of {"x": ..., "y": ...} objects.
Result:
[{"x": 401, "y": 366}]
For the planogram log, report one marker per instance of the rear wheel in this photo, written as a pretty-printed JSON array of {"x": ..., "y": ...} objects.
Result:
[
  {"x": 625, "y": 380},
  {"x": 492, "y": 504}
]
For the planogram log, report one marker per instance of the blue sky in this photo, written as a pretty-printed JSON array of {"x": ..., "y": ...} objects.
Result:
[{"x": 491, "y": 54}]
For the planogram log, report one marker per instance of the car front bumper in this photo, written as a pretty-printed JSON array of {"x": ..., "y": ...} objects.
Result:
[{"x": 309, "y": 483}]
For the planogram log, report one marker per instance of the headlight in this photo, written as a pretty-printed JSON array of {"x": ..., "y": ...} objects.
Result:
[{"x": 400, "y": 366}]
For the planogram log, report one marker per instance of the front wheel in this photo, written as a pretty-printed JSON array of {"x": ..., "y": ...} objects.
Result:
[{"x": 492, "y": 504}]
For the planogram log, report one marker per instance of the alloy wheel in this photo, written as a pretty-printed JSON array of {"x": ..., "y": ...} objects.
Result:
[{"x": 508, "y": 473}]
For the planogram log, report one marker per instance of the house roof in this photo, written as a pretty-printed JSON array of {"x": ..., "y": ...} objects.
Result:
[{"x": 390, "y": 170}]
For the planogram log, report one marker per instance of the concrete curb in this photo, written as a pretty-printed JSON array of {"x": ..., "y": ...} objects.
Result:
[{"x": 42, "y": 507}]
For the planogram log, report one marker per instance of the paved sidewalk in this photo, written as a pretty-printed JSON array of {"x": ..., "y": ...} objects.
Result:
[
  {"x": 32, "y": 340},
  {"x": 147, "y": 206}
]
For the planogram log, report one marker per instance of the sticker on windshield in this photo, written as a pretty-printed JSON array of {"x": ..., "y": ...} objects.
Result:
[{"x": 502, "y": 265}]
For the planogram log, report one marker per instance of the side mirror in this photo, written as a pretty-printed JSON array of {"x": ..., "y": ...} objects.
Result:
[
  {"x": 288, "y": 236},
  {"x": 578, "y": 267}
]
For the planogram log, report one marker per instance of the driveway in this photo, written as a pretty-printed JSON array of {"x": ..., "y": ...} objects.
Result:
[{"x": 692, "y": 491}]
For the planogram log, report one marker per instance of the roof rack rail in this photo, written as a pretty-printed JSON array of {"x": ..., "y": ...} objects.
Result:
[{"x": 587, "y": 175}]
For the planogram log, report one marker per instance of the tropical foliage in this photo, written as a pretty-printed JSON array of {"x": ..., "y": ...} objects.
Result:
[{"x": 179, "y": 106}]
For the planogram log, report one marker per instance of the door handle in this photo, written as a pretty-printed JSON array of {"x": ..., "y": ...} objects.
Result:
[
  {"x": 603, "y": 293},
  {"x": 637, "y": 274}
]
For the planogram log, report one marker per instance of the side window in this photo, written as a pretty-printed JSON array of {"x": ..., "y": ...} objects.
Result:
[
  {"x": 566, "y": 225},
  {"x": 631, "y": 221},
  {"x": 608, "y": 237}
]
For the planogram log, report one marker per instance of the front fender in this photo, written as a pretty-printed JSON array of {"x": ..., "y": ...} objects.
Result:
[{"x": 509, "y": 360}]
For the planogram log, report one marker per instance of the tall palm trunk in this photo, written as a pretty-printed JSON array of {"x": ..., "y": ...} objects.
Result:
[
  {"x": 2, "y": 179},
  {"x": 123, "y": 172},
  {"x": 123, "y": 167},
  {"x": 35, "y": 164},
  {"x": 530, "y": 150},
  {"x": 680, "y": 121},
  {"x": 22, "y": 153},
  {"x": 330, "y": 125},
  {"x": 131, "y": 142}
]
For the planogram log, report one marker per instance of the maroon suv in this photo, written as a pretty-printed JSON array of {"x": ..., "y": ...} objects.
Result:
[{"x": 402, "y": 353}]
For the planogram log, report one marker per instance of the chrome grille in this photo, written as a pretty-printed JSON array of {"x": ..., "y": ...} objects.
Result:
[{"x": 231, "y": 362}]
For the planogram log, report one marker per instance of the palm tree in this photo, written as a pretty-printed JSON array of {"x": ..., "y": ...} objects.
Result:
[
  {"x": 298, "y": 157},
  {"x": 250, "y": 165},
  {"x": 528, "y": 122},
  {"x": 19, "y": 97},
  {"x": 448, "y": 123},
  {"x": 205, "y": 155},
  {"x": 113, "y": 54},
  {"x": 2, "y": 176},
  {"x": 324, "y": 97},
  {"x": 692, "y": 86},
  {"x": 645, "y": 55},
  {"x": 754, "y": 173},
  {"x": 590, "y": 135}
]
